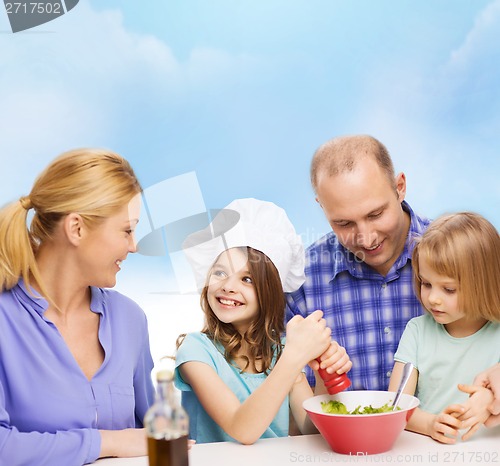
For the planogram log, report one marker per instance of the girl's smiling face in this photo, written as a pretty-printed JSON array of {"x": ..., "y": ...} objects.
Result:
[{"x": 231, "y": 292}]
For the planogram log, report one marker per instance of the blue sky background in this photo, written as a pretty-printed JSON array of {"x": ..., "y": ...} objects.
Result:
[{"x": 243, "y": 92}]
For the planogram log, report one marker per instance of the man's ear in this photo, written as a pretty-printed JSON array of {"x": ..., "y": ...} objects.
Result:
[
  {"x": 401, "y": 186},
  {"x": 74, "y": 228}
]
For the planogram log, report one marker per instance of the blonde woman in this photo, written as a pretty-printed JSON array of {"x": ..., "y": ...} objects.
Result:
[
  {"x": 75, "y": 362},
  {"x": 456, "y": 268}
]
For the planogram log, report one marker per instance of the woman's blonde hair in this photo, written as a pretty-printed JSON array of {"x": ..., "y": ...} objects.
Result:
[
  {"x": 91, "y": 182},
  {"x": 465, "y": 247}
]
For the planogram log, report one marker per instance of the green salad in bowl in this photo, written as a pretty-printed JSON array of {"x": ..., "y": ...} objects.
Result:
[{"x": 337, "y": 407}]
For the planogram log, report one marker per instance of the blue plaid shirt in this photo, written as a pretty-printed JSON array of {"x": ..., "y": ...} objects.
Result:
[{"x": 366, "y": 311}]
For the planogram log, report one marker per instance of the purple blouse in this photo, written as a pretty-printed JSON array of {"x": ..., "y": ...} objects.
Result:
[{"x": 49, "y": 412}]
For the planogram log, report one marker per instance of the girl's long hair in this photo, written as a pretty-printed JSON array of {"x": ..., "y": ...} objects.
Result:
[
  {"x": 466, "y": 247},
  {"x": 92, "y": 182},
  {"x": 263, "y": 337}
]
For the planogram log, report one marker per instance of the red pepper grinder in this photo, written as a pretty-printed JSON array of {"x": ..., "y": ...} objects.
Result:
[{"x": 334, "y": 383}]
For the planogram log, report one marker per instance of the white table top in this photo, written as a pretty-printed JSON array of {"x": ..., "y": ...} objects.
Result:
[{"x": 483, "y": 448}]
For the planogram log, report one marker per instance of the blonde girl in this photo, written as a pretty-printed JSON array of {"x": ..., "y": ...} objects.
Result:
[{"x": 456, "y": 267}]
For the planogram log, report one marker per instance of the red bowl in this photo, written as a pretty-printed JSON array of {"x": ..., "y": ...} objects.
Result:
[{"x": 361, "y": 434}]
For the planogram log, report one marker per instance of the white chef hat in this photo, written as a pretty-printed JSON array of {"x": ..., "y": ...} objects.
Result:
[{"x": 249, "y": 222}]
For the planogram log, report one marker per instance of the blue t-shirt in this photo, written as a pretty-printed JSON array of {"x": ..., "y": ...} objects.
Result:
[
  {"x": 50, "y": 413},
  {"x": 444, "y": 361},
  {"x": 202, "y": 428}
]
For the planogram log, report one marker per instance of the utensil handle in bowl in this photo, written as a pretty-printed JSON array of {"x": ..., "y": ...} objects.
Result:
[{"x": 407, "y": 370}]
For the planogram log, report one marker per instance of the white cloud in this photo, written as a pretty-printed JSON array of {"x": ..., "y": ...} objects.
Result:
[
  {"x": 482, "y": 39},
  {"x": 469, "y": 80},
  {"x": 77, "y": 84},
  {"x": 73, "y": 81},
  {"x": 442, "y": 125}
]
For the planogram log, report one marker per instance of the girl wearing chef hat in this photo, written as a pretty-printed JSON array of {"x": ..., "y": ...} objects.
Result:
[{"x": 239, "y": 381}]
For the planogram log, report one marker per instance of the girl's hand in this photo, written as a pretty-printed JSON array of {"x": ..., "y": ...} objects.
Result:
[
  {"x": 445, "y": 426},
  {"x": 334, "y": 359},
  {"x": 476, "y": 408},
  {"x": 307, "y": 338}
]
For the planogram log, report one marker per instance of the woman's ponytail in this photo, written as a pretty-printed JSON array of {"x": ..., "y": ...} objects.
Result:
[{"x": 17, "y": 256}]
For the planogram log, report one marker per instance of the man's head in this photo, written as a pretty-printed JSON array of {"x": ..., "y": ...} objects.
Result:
[
  {"x": 341, "y": 155},
  {"x": 355, "y": 184}
]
